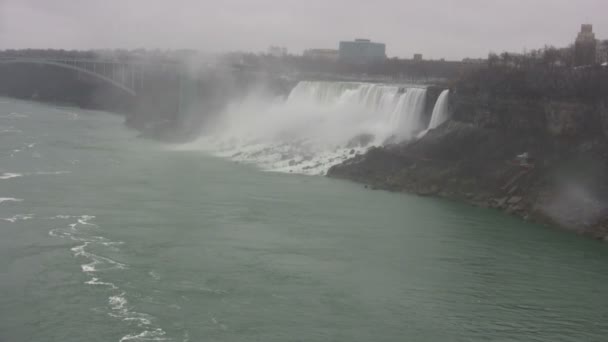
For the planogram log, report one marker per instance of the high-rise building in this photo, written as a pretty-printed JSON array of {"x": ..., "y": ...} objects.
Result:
[
  {"x": 362, "y": 51},
  {"x": 585, "y": 47},
  {"x": 602, "y": 51}
]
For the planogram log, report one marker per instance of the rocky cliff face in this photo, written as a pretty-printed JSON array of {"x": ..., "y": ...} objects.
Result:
[{"x": 473, "y": 157}]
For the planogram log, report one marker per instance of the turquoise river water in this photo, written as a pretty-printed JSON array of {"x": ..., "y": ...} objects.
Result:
[{"x": 108, "y": 237}]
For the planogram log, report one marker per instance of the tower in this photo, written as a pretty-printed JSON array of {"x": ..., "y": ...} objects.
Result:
[{"x": 585, "y": 46}]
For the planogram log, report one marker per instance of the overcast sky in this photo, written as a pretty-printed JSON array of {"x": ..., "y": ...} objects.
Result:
[{"x": 450, "y": 29}]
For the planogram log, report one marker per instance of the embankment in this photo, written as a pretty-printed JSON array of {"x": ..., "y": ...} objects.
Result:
[{"x": 473, "y": 156}]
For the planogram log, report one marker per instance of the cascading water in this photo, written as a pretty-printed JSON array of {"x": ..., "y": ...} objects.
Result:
[
  {"x": 320, "y": 124},
  {"x": 440, "y": 112}
]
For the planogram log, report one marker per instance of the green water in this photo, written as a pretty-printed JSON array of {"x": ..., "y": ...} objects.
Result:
[{"x": 129, "y": 240}]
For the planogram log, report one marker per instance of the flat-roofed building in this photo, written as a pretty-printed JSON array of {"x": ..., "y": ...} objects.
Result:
[{"x": 362, "y": 51}]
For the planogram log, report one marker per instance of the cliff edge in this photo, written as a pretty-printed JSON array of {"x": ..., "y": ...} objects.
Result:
[{"x": 539, "y": 154}]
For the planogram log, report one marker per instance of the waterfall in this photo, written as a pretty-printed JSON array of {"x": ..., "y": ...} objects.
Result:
[
  {"x": 407, "y": 116},
  {"x": 440, "y": 112},
  {"x": 400, "y": 110},
  {"x": 318, "y": 125}
]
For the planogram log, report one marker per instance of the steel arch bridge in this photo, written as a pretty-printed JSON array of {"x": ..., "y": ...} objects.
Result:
[{"x": 127, "y": 76}]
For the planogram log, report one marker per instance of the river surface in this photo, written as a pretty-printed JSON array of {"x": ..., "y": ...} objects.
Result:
[{"x": 107, "y": 237}]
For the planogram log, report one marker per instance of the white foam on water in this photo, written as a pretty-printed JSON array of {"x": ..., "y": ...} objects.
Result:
[
  {"x": 8, "y": 175},
  {"x": 220, "y": 325},
  {"x": 76, "y": 232},
  {"x": 154, "y": 275},
  {"x": 117, "y": 302},
  {"x": 206, "y": 289},
  {"x": 80, "y": 231},
  {"x": 11, "y": 130},
  {"x": 10, "y": 199},
  {"x": 84, "y": 220},
  {"x": 147, "y": 335},
  {"x": 79, "y": 250},
  {"x": 89, "y": 268},
  {"x": 97, "y": 282},
  {"x": 72, "y": 115},
  {"x": 52, "y": 173},
  {"x": 319, "y": 125},
  {"x": 99, "y": 263},
  {"x": 14, "y": 115},
  {"x": 62, "y": 217},
  {"x": 120, "y": 309},
  {"x": 19, "y": 217}
]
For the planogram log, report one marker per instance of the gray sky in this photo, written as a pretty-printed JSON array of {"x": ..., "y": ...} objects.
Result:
[{"x": 452, "y": 29}]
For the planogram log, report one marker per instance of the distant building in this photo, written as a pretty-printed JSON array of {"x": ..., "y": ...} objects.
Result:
[
  {"x": 362, "y": 51},
  {"x": 474, "y": 61},
  {"x": 585, "y": 47},
  {"x": 418, "y": 57},
  {"x": 277, "y": 51},
  {"x": 326, "y": 54},
  {"x": 602, "y": 51}
]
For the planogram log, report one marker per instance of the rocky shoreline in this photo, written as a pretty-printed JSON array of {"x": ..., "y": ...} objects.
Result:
[{"x": 473, "y": 158}]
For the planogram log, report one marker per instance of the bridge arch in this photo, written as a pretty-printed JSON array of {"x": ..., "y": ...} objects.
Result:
[{"x": 65, "y": 65}]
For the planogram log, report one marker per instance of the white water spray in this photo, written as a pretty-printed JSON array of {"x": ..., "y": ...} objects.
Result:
[{"x": 320, "y": 124}]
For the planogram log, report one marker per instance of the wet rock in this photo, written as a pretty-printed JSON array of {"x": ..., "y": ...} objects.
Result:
[
  {"x": 361, "y": 140},
  {"x": 428, "y": 191},
  {"x": 514, "y": 200},
  {"x": 500, "y": 203}
]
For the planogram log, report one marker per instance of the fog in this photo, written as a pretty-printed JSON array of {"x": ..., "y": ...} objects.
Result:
[{"x": 450, "y": 29}]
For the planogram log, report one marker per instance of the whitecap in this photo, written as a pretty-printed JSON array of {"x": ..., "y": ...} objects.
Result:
[
  {"x": 19, "y": 217},
  {"x": 99, "y": 260},
  {"x": 119, "y": 306},
  {"x": 10, "y": 199},
  {"x": 89, "y": 268},
  {"x": 84, "y": 220},
  {"x": 147, "y": 335},
  {"x": 79, "y": 250},
  {"x": 43, "y": 173},
  {"x": 96, "y": 281},
  {"x": 8, "y": 175},
  {"x": 117, "y": 302},
  {"x": 63, "y": 217}
]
